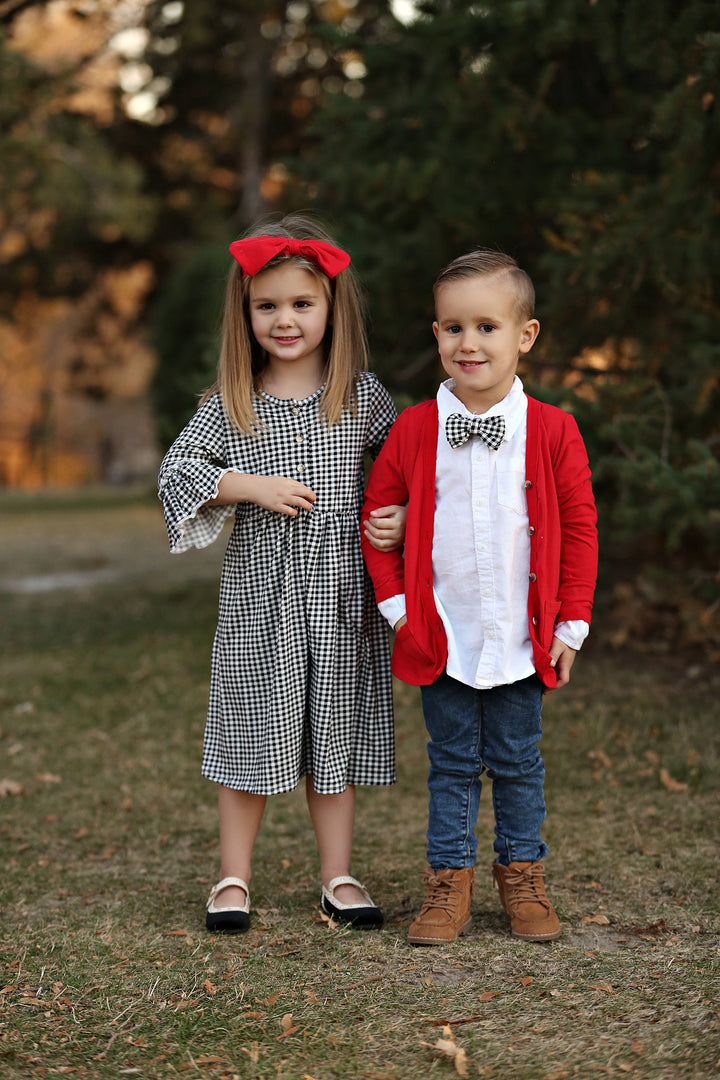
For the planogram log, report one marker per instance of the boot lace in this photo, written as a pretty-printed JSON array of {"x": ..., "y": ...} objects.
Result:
[
  {"x": 527, "y": 886},
  {"x": 439, "y": 894}
]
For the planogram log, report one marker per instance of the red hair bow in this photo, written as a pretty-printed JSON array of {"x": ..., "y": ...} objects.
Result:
[{"x": 257, "y": 251}]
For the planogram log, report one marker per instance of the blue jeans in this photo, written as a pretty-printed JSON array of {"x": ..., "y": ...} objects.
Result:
[{"x": 498, "y": 731}]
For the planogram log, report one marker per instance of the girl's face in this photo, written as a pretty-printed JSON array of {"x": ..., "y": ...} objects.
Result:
[{"x": 289, "y": 310}]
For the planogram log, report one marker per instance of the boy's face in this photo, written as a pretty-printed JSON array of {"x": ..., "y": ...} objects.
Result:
[{"x": 480, "y": 336}]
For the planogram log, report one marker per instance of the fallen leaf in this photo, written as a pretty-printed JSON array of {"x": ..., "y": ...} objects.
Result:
[
  {"x": 448, "y": 1046},
  {"x": 637, "y": 1047},
  {"x": 669, "y": 783},
  {"x": 526, "y": 980},
  {"x": 605, "y": 988},
  {"x": 10, "y": 787},
  {"x": 488, "y": 995},
  {"x": 81, "y": 833},
  {"x": 599, "y": 920},
  {"x": 287, "y": 1025},
  {"x": 600, "y": 758},
  {"x": 48, "y": 778}
]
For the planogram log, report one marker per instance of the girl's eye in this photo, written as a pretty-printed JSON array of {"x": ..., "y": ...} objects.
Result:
[{"x": 302, "y": 304}]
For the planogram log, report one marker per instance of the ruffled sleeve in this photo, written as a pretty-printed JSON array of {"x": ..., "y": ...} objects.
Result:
[
  {"x": 189, "y": 477},
  {"x": 382, "y": 415}
]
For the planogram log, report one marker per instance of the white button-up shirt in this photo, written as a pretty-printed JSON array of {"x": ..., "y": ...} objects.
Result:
[{"x": 481, "y": 550}]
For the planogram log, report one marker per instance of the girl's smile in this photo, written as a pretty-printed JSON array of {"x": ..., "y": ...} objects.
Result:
[{"x": 289, "y": 310}]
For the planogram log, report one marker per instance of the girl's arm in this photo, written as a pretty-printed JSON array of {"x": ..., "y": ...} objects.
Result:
[
  {"x": 276, "y": 493},
  {"x": 385, "y": 527}
]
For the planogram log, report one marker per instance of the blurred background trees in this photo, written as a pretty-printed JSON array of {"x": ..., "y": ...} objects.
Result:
[{"x": 580, "y": 135}]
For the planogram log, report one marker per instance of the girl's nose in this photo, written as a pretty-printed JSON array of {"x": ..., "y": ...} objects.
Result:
[{"x": 285, "y": 317}]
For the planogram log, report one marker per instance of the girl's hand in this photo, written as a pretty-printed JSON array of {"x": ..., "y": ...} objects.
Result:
[
  {"x": 280, "y": 494},
  {"x": 277, "y": 493},
  {"x": 563, "y": 659},
  {"x": 385, "y": 528}
]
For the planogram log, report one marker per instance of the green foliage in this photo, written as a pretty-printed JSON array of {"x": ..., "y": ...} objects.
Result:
[
  {"x": 583, "y": 138},
  {"x": 186, "y": 333}
]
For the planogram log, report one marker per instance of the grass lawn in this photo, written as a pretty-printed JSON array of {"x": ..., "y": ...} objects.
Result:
[{"x": 109, "y": 841}]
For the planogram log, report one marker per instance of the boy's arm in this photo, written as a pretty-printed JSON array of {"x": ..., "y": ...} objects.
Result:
[
  {"x": 386, "y": 486},
  {"x": 578, "y": 526}
]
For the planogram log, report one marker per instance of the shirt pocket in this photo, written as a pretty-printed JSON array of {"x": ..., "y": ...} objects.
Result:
[{"x": 511, "y": 486}]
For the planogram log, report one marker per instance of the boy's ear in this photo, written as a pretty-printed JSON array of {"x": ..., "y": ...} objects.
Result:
[
  {"x": 436, "y": 329},
  {"x": 528, "y": 335}
]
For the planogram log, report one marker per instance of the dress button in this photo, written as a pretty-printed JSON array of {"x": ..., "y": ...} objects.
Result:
[
  {"x": 533, "y": 577},
  {"x": 295, "y": 411},
  {"x": 528, "y": 484},
  {"x": 300, "y": 468}
]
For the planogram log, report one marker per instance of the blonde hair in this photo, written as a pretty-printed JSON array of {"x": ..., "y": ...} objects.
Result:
[
  {"x": 484, "y": 262},
  {"x": 242, "y": 361}
]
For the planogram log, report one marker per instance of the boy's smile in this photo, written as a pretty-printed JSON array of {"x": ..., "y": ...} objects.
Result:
[{"x": 480, "y": 336}]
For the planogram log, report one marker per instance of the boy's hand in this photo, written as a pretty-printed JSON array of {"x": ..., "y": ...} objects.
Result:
[
  {"x": 563, "y": 659},
  {"x": 401, "y": 622},
  {"x": 385, "y": 528}
]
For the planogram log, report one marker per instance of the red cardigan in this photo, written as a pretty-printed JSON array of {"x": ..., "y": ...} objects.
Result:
[{"x": 563, "y": 529}]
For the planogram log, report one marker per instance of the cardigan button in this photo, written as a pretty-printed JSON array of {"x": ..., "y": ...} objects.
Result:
[
  {"x": 533, "y": 577},
  {"x": 528, "y": 484},
  {"x": 531, "y": 530},
  {"x": 534, "y": 621}
]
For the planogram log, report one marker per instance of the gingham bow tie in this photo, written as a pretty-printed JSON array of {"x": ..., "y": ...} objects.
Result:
[{"x": 461, "y": 428}]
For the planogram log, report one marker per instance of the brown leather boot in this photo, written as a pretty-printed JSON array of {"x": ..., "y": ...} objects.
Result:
[
  {"x": 445, "y": 915},
  {"x": 522, "y": 894}
]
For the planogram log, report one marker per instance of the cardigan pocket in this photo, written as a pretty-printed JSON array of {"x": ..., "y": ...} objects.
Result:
[{"x": 412, "y": 653}]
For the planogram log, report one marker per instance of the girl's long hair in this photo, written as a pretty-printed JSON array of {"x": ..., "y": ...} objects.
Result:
[{"x": 242, "y": 361}]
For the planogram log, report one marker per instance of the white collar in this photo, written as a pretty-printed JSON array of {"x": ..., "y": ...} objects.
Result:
[{"x": 513, "y": 406}]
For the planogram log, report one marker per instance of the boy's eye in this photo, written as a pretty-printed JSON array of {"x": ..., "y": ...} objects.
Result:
[
  {"x": 454, "y": 329},
  {"x": 487, "y": 328}
]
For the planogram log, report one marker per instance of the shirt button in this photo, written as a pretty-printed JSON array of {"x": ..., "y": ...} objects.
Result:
[
  {"x": 300, "y": 468},
  {"x": 299, "y": 438},
  {"x": 533, "y": 577},
  {"x": 528, "y": 484}
]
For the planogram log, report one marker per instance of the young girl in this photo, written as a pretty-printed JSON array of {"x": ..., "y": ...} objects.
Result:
[{"x": 300, "y": 679}]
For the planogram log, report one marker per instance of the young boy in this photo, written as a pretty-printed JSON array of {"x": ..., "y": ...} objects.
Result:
[{"x": 492, "y": 597}]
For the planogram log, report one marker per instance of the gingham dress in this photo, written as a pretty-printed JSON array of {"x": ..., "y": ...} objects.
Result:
[{"x": 300, "y": 678}]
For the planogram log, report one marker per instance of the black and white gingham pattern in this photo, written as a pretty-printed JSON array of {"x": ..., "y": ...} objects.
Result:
[
  {"x": 460, "y": 428},
  {"x": 300, "y": 665}
]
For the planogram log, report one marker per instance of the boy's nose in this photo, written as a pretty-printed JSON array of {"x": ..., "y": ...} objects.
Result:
[{"x": 468, "y": 343}]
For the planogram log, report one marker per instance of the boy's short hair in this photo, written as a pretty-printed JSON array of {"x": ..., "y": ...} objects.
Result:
[{"x": 484, "y": 262}]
